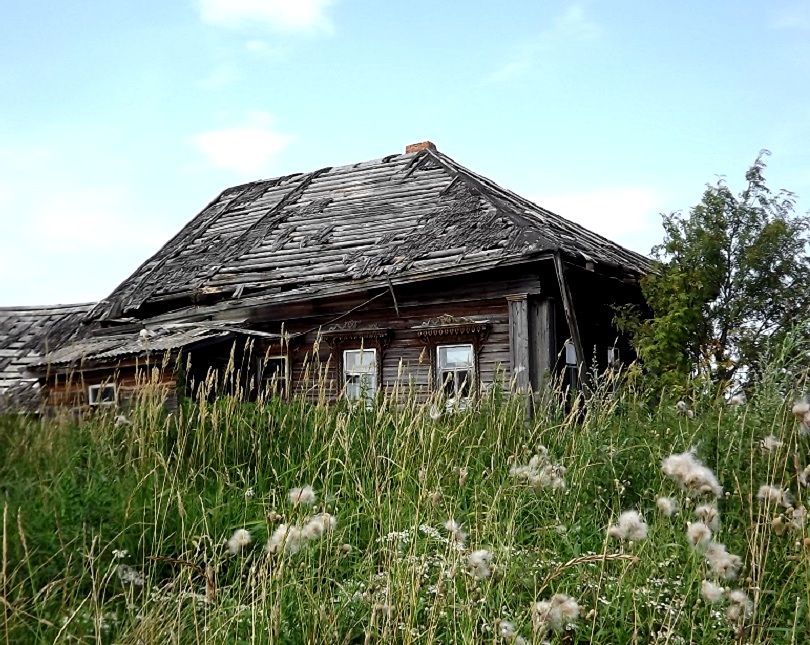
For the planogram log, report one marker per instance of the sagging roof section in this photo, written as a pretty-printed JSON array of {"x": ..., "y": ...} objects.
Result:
[
  {"x": 401, "y": 217},
  {"x": 26, "y": 334}
]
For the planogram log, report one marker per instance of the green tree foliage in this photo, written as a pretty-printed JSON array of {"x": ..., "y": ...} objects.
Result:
[{"x": 731, "y": 276}]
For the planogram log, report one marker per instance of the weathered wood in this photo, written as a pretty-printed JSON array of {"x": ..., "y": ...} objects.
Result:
[
  {"x": 543, "y": 326},
  {"x": 570, "y": 314},
  {"x": 519, "y": 346}
]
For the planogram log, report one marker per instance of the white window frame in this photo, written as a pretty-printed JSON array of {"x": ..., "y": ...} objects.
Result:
[
  {"x": 614, "y": 360},
  {"x": 571, "y": 363},
  {"x": 284, "y": 382},
  {"x": 94, "y": 391},
  {"x": 366, "y": 375},
  {"x": 442, "y": 370}
]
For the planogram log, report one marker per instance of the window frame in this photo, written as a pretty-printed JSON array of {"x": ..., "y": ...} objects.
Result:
[
  {"x": 284, "y": 391},
  {"x": 373, "y": 371},
  {"x": 472, "y": 370},
  {"x": 94, "y": 393}
]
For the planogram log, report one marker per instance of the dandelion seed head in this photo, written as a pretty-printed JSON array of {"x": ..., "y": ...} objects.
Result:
[
  {"x": 682, "y": 407},
  {"x": 239, "y": 540},
  {"x": 668, "y": 506},
  {"x": 506, "y": 629},
  {"x": 711, "y": 592},
  {"x": 287, "y": 539},
  {"x": 740, "y": 606},
  {"x": 478, "y": 563},
  {"x": 691, "y": 475},
  {"x": 698, "y": 535},
  {"x": 769, "y": 444},
  {"x": 630, "y": 526},
  {"x": 800, "y": 408},
  {"x": 709, "y": 515},
  {"x": 779, "y": 496},
  {"x": 302, "y": 495},
  {"x": 722, "y": 563}
]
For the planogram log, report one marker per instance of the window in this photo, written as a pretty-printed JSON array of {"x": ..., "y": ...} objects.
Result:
[
  {"x": 456, "y": 370},
  {"x": 274, "y": 376},
  {"x": 571, "y": 364},
  {"x": 105, "y": 394},
  {"x": 613, "y": 360},
  {"x": 360, "y": 374}
]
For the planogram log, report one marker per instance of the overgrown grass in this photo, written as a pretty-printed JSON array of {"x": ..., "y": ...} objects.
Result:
[{"x": 170, "y": 490}]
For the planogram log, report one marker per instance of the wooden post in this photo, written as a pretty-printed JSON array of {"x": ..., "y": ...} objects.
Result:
[
  {"x": 543, "y": 327},
  {"x": 519, "y": 344},
  {"x": 570, "y": 314}
]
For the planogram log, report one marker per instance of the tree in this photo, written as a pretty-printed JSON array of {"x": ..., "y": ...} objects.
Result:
[{"x": 730, "y": 276}]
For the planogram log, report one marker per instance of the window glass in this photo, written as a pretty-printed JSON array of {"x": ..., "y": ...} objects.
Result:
[
  {"x": 455, "y": 370},
  {"x": 360, "y": 373},
  {"x": 102, "y": 394}
]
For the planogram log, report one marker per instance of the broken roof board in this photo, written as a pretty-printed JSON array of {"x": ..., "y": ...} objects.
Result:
[{"x": 395, "y": 218}]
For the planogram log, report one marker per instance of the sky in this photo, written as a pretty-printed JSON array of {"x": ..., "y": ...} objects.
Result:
[{"x": 120, "y": 121}]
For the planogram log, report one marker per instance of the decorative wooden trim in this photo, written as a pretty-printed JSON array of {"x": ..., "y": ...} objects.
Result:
[
  {"x": 452, "y": 330},
  {"x": 349, "y": 336}
]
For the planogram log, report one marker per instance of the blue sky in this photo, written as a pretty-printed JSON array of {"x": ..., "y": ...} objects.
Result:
[{"x": 119, "y": 121}]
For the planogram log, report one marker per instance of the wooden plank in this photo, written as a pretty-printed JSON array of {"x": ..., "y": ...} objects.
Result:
[
  {"x": 543, "y": 327},
  {"x": 570, "y": 315}
]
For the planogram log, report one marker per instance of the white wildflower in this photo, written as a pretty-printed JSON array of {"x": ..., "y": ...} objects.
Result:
[
  {"x": 722, "y": 563},
  {"x": 698, "y": 535},
  {"x": 682, "y": 407},
  {"x": 540, "y": 472},
  {"x": 302, "y": 495},
  {"x": 769, "y": 444},
  {"x": 691, "y": 475},
  {"x": 631, "y": 526},
  {"x": 239, "y": 540},
  {"x": 117, "y": 554},
  {"x": 711, "y": 592},
  {"x": 740, "y": 606},
  {"x": 478, "y": 562},
  {"x": 709, "y": 515},
  {"x": 776, "y": 495},
  {"x": 285, "y": 538},
  {"x": 129, "y": 576},
  {"x": 668, "y": 506}
]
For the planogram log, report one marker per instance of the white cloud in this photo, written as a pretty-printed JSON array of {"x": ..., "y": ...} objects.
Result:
[
  {"x": 570, "y": 27},
  {"x": 249, "y": 149},
  {"x": 629, "y": 216},
  {"x": 277, "y": 15}
]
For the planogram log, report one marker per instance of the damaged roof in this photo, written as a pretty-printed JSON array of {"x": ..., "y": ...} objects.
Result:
[
  {"x": 157, "y": 341},
  {"x": 401, "y": 218},
  {"x": 26, "y": 333}
]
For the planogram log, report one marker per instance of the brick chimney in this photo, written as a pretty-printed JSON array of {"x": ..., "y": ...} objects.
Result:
[{"x": 416, "y": 147}]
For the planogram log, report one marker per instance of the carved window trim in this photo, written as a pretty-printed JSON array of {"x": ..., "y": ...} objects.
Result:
[
  {"x": 351, "y": 337},
  {"x": 451, "y": 330}
]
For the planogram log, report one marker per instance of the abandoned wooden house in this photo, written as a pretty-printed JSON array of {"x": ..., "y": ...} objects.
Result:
[
  {"x": 26, "y": 335},
  {"x": 408, "y": 273}
]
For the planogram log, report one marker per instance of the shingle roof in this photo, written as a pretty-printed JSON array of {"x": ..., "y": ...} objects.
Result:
[
  {"x": 399, "y": 218},
  {"x": 26, "y": 333}
]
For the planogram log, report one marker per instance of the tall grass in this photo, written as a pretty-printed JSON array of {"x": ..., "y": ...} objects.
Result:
[{"x": 117, "y": 533}]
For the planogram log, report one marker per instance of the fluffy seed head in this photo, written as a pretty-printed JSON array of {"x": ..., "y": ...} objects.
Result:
[
  {"x": 478, "y": 563},
  {"x": 455, "y": 531},
  {"x": 302, "y": 495},
  {"x": 722, "y": 563},
  {"x": 668, "y": 506},
  {"x": 691, "y": 475},
  {"x": 698, "y": 535},
  {"x": 769, "y": 444},
  {"x": 285, "y": 538},
  {"x": 776, "y": 495},
  {"x": 507, "y": 629},
  {"x": 631, "y": 526},
  {"x": 555, "y": 613},
  {"x": 239, "y": 540},
  {"x": 709, "y": 515},
  {"x": 317, "y": 525},
  {"x": 711, "y": 592},
  {"x": 740, "y": 606},
  {"x": 800, "y": 408}
]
